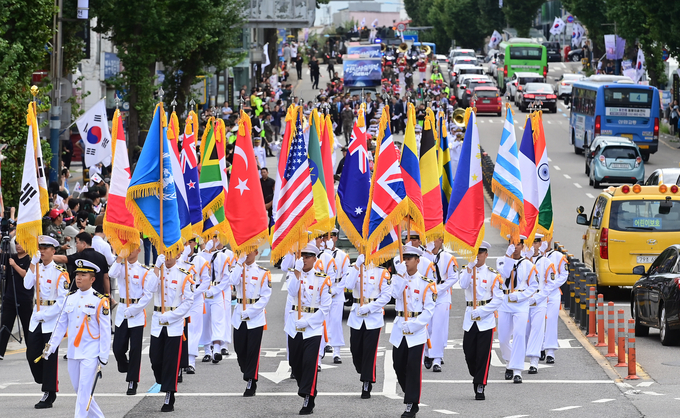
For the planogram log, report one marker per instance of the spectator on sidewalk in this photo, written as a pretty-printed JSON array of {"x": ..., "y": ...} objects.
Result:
[
  {"x": 268, "y": 185},
  {"x": 18, "y": 261},
  {"x": 314, "y": 73}
]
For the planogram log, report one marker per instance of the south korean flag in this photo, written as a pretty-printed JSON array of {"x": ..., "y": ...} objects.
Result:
[{"x": 94, "y": 130}]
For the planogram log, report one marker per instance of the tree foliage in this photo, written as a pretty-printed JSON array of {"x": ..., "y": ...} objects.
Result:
[{"x": 520, "y": 14}]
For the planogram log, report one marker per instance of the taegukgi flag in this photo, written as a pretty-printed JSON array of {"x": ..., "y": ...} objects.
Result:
[
  {"x": 94, "y": 130},
  {"x": 558, "y": 26}
]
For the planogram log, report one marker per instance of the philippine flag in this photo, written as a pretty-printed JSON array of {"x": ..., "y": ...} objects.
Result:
[{"x": 465, "y": 219}]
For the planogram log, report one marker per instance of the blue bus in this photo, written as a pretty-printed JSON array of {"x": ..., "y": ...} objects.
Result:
[{"x": 614, "y": 105}]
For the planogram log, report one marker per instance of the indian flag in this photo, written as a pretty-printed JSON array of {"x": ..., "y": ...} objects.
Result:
[{"x": 545, "y": 209}]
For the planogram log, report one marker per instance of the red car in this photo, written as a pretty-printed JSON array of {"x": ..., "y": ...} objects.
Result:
[{"x": 487, "y": 99}]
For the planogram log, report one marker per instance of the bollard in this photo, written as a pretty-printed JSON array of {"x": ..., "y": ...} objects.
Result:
[
  {"x": 592, "y": 332},
  {"x": 611, "y": 337},
  {"x": 621, "y": 339},
  {"x": 569, "y": 304},
  {"x": 584, "y": 298},
  {"x": 632, "y": 363},
  {"x": 600, "y": 321},
  {"x": 576, "y": 306}
]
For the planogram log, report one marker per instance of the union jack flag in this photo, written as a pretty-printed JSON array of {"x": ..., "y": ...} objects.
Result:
[
  {"x": 359, "y": 147},
  {"x": 294, "y": 209}
]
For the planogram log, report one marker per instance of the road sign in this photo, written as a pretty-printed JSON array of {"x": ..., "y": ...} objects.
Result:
[
  {"x": 570, "y": 19},
  {"x": 665, "y": 54},
  {"x": 401, "y": 27}
]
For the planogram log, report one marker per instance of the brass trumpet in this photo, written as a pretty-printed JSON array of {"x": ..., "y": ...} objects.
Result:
[
  {"x": 403, "y": 47},
  {"x": 459, "y": 117}
]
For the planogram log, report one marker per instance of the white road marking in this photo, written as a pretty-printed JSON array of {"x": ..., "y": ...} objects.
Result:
[
  {"x": 624, "y": 385},
  {"x": 8, "y": 384},
  {"x": 604, "y": 400},
  {"x": 445, "y": 412},
  {"x": 388, "y": 328},
  {"x": 574, "y": 382},
  {"x": 481, "y": 121},
  {"x": 566, "y": 176},
  {"x": 560, "y": 122},
  {"x": 277, "y": 277},
  {"x": 193, "y": 395},
  {"x": 563, "y": 65},
  {"x": 557, "y": 168},
  {"x": 284, "y": 288},
  {"x": 645, "y": 384},
  {"x": 590, "y": 195},
  {"x": 390, "y": 379},
  {"x": 566, "y": 408},
  {"x": 490, "y": 120},
  {"x": 516, "y": 416},
  {"x": 549, "y": 123},
  {"x": 653, "y": 393},
  {"x": 578, "y": 186},
  {"x": 279, "y": 375},
  {"x": 549, "y": 160}
]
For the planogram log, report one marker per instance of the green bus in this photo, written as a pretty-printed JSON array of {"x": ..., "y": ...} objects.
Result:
[{"x": 520, "y": 55}]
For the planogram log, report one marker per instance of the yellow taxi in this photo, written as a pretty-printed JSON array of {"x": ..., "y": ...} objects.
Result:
[{"x": 629, "y": 226}]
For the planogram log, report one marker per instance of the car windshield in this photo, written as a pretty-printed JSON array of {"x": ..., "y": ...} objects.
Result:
[
  {"x": 644, "y": 215},
  {"x": 486, "y": 93},
  {"x": 627, "y": 97},
  {"x": 539, "y": 88},
  {"x": 472, "y": 71},
  {"x": 476, "y": 83},
  {"x": 525, "y": 80},
  {"x": 618, "y": 152},
  {"x": 464, "y": 54}
]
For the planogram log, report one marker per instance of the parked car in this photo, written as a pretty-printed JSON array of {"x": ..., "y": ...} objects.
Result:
[
  {"x": 565, "y": 83},
  {"x": 616, "y": 162},
  {"x": 469, "y": 87},
  {"x": 487, "y": 99},
  {"x": 663, "y": 176},
  {"x": 537, "y": 95},
  {"x": 589, "y": 151},
  {"x": 655, "y": 298},
  {"x": 575, "y": 55},
  {"x": 553, "y": 49},
  {"x": 628, "y": 226},
  {"x": 518, "y": 80}
]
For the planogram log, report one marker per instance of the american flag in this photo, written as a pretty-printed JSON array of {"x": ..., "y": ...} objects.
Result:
[{"x": 294, "y": 210}]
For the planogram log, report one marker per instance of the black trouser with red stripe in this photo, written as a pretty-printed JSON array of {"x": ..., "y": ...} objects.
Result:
[
  {"x": 477, "y": 349},
  {"x": 164, "y": 353},
  {"x": 363, "y": 343},
  {"x": 408, "y": 366},
  {"x": 247, "y": 344},
  {"x": 303, "y": 357},
  {"x": 44, "y": 372},
  {"x": 124, "y": 338},
  {"x": 184, "y": 358}
]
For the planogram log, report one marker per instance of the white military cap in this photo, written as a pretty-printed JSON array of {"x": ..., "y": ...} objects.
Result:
[
  {"x": 310, "y": 249},
  {"x": 485, "y": 246},
  {"x": 47, "y": 240},
  {"x": 86, "y": 266},
  {"x": 411, "y": 250}
]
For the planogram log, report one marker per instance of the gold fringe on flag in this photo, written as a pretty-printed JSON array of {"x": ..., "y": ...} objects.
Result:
[
  {"x": 27, "y": 236},
  {"x": 464, "y": 249}
]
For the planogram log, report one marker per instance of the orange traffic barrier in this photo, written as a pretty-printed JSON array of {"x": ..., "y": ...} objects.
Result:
[
  {"x": 611, "y": 337},
  {"x": 592, "y": 332},
  {"x": 632, "y": 363},
  {"x": 622, "y": 340},
  {"x": 600, "y": 321}
]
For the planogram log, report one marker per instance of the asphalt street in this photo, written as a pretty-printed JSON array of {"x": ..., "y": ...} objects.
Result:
[{"x": 580, "y": 384}]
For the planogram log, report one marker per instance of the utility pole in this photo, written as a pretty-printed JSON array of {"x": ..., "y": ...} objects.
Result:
[{"x": 55, "y": 108}]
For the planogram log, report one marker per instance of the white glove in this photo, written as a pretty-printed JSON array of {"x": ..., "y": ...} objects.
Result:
[
  {"x": 363, "y": 310},
  {"x": 163, "y": 318},
  {"x": 511, "y": 250},
  {"x": 160, "y": 260},
  {"x": 127, "y": 313},
  {"x": 186, "y": 253},
  {"x": 532, "y": 301},
  {"x": 528, "y": 252},
  {"x": 242, "y": 259},
  {"x": 475, "y": 314},
  {"x": 209, "y": 245},
  {"x": 401, "y": 269},
  {"x": 360, "y": 260},
  {"x": 398, "y": 282},
  {"x": 36, "y": 258},
  {"x": 301, "y": 324},
  {"x": 405, "y": 327},
  {"x": 211, "y": 292},
  {"x": 329, "y": 244},
  {"x": 512, "y": 297},
  {"x": 544, "y": 246},
  {"x": 430, "y": 246},
  {"x": 472, "y": 265},
  {"x": 244, "y": 315},
  {"x": 38, "y": 315},
  {"x": 299, "y": 264}
]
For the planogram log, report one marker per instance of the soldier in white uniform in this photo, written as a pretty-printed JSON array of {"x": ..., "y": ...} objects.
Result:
[
  {"x": 50, "y": 291},
  {"x": 172, "y": 294},
  {"x": 409, "y": 333},
  {"x": 217, "y": 301},
  {"x": 130, "y": 316},
  {"x": 561, "y": 264},
  {"x": 446, "y": 274},
  {"x": 87, "y": 319},
  {"x": 366, "y": 318},
  {"x": 251, "y": 322},
  {"x": 520, "y": 282},
  {"x": 310, "y": 289},
  {"x": 538, "y": 304},
  {"x": 326, "y": 263},
  {"x": 336, "y": 338}
]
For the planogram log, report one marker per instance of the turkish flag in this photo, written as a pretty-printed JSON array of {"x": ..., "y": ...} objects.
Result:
[{"x": 245, "y": 208}]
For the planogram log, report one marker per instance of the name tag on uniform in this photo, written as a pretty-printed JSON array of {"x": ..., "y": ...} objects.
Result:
[
  {"x": 483, "y": 281},
  {"x": 90, "y": 306},
  {"x": 416, "y": 291},
  {"x": 311, "y": 287},
  {"x": 254, "y": 278},
  {"x": 372, "y": 278},
  {"x": 49, "y": 281},
  {"x": 135, "y": 276},
  {"x": 174, "y": 282}
]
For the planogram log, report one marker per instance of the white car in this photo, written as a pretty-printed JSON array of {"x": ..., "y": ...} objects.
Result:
[
  {"x": 470, "y": 53},
  {"x": 518, "y": 80},
  {"x": 442, "y": 59},
  {"x": 565, "y": 83},
  {"x": 461, "y": 69},
  {"x": 461, "y": 83},
  {"x": 464, "y": 60}
]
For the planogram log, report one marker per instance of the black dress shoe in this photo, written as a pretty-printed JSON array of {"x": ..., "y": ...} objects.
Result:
[
  {"x": 479, "y": 393},
  {"x": 533, "y": 370},
  {"x": 328, "y": 349},
  {"x": 191, "y": 370},
  {"x": 508, "y": 374},
  {"x": 410, "y": 411},
  {"x": 132, "y": 388},
  {"x": 169, "y": 404},
  {"x": 436, "y": 368},
  {"x": 550, "y": 360},
  {"x": 180, "y": 379},
  {"x": 217, "y": 357},
  {"x": 442, "y": 362},
  {"x": 251, "y": 387},
  {"x": 337, "y": 360},
  {"x": 318, "y": 368},
  {"x": 517, "y": 379},
  {"x": 224, "y": 352},
  {"x": 307, "y": 406},
  {"x": 542, "y": 358},
  {"x": 427, "y": 362},
  {"x": 292, "y": 376},
  {"x": 366, "y": 390},
  {"x": 46, "y": 401},
  {"x": 206, "y": 358}
]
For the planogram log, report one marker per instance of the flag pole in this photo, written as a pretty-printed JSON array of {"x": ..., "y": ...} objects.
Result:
[
  {"x": 34, "y": 92},
  {"x": 243, "y": 284},
  {"x": 160, "y": 194},
  {"x": 474, "y": 287},
  {"x": 127, "y": 285},
  {"x": 299, "y": 304},
  {"x": 401, "y": 260}
]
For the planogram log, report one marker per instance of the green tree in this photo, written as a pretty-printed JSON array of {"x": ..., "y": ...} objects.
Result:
[
  {"x": 520, "y": 14},
  {"x": 418, "y": 11},
  {"x": 465, "y": 27},
  {"x": 592, "y": 14},
  {"x": 491, "y": 17},
  {"x": 25, "y": 29}
]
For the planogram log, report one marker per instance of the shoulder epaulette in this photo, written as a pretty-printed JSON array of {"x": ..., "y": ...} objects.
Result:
[
  {"x": 291, "y": 270},
  {"x": 183, "y": 271},
  {"x": 99, "y": 295},
  {"x": 320, "y": 274},
  {"x": 60, "y": 268},
  {"x": 427, "y": 280},
  {"x": 493, "y": 270},
  {"x": 72, "y": 292},
  {"x": 263, "y": 268},
  {"x": 145, "y": 267}
]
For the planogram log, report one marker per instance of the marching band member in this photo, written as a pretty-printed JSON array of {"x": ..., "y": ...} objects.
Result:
[
  {"x": 304, "y": 324},
  {"x": 520, "y": 283},
  {"x": 366, "y": 320},
  {"x": 130, "y": 316},
  {"x": 51, "y": 290},
  {"x": 336, "y": 338},
  {"x": 89, "y": 338},
  {"x": 418, "y": 294},
  {"x": 554, "y": 300},
  {"x": 538, "y": 304},
  {"x": 479, "y": 321},
  {"x": 250, "y": 323}
]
